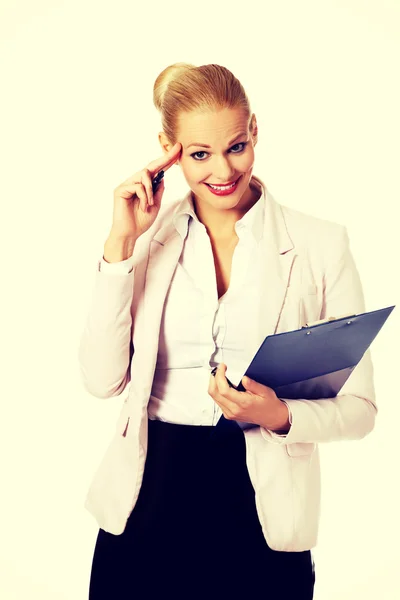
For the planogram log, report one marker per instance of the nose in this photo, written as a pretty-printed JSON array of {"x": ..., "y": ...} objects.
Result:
[{"x": 223, "y": 171}]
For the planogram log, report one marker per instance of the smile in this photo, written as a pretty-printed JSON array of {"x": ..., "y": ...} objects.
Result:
[{"x": 223, "y": 190}]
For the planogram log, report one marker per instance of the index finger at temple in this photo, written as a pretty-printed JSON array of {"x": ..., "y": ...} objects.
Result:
[{"x": 166, "y": 161}]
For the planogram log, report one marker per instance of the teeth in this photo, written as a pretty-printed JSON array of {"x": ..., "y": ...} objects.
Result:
[{"x": 227, "y": 187}]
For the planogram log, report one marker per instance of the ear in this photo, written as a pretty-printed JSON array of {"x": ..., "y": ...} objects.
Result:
[
  {"x": 255, "y": 129},
  {"x": 165, "y": 144}
]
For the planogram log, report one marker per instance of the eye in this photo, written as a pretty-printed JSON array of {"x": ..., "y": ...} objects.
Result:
[{"x": 242, "y": 144}]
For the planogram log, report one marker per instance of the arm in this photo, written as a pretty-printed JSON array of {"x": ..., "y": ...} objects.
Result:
[
  {"x": 106, "y": 349},
  {"x": 351, "y": 414}
]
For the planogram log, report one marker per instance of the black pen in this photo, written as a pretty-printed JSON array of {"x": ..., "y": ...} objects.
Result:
[{"x": 157, "y": 180}]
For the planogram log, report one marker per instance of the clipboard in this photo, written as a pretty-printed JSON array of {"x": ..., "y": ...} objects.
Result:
[{"x": 315, "y": 361}]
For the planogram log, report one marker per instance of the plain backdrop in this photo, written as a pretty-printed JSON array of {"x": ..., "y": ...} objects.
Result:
[{"x": 77, "y": 119}]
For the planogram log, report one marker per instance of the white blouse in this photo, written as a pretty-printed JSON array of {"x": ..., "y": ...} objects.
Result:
[{"x": 198, "y": 331}]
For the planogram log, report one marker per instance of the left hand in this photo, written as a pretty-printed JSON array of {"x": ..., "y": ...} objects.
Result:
[{"x": 258, "y": 404}]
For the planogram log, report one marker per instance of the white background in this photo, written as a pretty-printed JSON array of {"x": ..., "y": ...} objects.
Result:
[{"x": 76, "y": 120}]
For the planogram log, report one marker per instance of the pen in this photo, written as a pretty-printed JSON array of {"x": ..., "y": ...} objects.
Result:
[{"x": 157, "y": 180}]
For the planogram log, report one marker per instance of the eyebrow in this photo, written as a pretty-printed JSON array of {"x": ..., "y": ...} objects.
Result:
[{"x": 206, "y": 146}]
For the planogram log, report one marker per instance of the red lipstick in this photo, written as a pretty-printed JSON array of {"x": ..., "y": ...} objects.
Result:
[{"x": 223, "y": 192}]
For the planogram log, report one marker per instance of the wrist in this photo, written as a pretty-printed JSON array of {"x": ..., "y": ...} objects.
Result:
[
  {"x": 118, "y": 249},
  {"x": 284, "y": 424}
]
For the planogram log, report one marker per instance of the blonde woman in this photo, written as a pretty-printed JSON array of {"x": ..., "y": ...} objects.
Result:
[{"x": 186, "y": 507}]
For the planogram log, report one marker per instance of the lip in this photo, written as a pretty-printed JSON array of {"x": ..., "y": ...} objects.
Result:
[
  {"x": 224, "y": 184},
  {"x": 224, "y": 192}
]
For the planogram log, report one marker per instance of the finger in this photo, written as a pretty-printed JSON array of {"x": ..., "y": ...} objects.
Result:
[
  {"x": 166, "y": 161},
  {"x": 228, "y": 414},
  {"x": 212, "y": 386},
  {"x": 163, "y": 163},
  {"x": 141, "y": 194},
  {"x": 219, "y": 401},
  {"x": 213, "y": 391},
  {"x": 221, "y": 381},
  {"x": 253, "y": 387},
  {"x": 226, "y": 404},
  {"x": 143, "y": 178},
  {"x": 230, "y": 399},
  {"x": 128, "y": 192},
  {"x": 147, "y": 183}
]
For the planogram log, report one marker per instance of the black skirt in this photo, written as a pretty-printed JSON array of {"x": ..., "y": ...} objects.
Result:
[{"x": 194, "y": 530}]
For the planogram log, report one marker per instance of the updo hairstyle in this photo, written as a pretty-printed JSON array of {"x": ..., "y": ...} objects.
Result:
[{"x": 183, "y": 87}]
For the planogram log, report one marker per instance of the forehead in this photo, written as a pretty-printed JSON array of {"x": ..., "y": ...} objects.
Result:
[{"x": 204, "y": 127}]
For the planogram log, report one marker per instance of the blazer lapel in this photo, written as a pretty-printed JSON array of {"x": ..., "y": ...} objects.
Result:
[
  {"x": 164, "y": 252},
  {"x": 279, "y": 256}
]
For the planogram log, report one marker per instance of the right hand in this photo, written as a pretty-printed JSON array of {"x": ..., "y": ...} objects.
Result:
[{"x": 135, "y": 206}]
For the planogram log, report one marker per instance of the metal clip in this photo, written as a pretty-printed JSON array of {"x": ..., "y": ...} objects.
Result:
[
  {"x": 319, "y": 322},
  {"x": 328, "y": 320}
]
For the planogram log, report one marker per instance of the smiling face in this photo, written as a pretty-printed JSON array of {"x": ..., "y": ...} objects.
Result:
[{"x": 218, "y": 148}]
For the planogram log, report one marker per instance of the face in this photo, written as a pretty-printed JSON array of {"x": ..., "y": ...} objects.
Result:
[{"x": 228, "y": 157}]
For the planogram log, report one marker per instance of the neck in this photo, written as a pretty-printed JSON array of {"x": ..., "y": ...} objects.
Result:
[{"x": 220, "y": 224}]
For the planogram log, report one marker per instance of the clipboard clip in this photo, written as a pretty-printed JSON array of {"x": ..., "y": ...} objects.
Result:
[{"x": 328, "y": 320}]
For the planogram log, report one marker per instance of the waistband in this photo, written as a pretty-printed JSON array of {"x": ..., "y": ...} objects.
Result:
[{"x": 224, "y": 428}]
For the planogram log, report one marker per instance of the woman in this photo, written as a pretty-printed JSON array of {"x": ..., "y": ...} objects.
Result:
[{"x": 186, "y": 508}]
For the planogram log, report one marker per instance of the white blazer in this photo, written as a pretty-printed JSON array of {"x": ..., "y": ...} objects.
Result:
[{"x": 309, "y": 275}]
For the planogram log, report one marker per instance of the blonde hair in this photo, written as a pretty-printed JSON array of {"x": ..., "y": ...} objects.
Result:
[{"x": 183, "y": 87}]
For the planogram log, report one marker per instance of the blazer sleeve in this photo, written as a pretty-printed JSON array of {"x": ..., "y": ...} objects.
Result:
[
  {"x": 351, "y": 414},
  {"x": 106, "y": 348}
]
